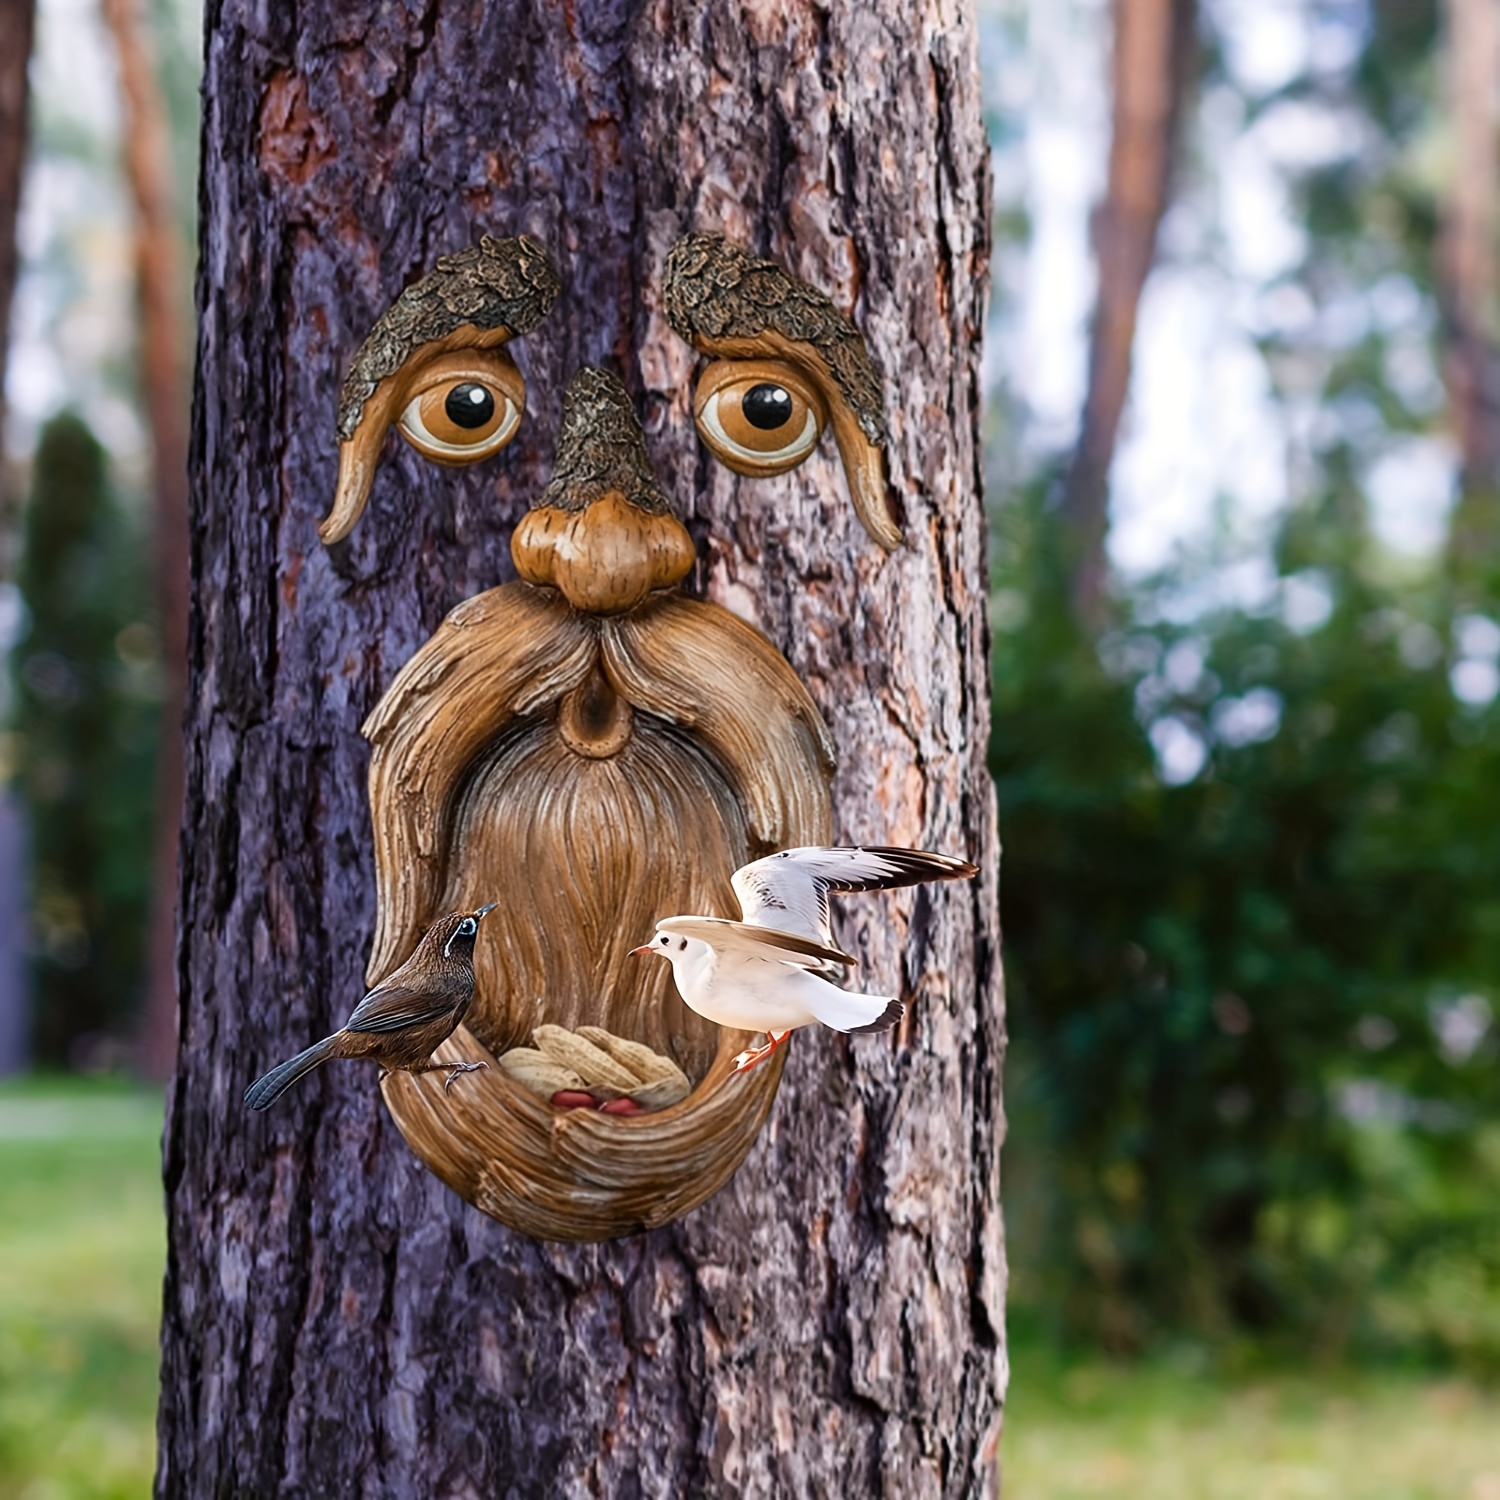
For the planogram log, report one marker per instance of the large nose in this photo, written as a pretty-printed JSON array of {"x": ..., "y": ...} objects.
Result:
[{"x": 602, "y": 531}]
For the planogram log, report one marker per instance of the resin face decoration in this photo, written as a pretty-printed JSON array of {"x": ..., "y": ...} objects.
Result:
[
  {"x": 784, "y": 365},
  {"x": 586, "y": 746},
  {"x": 435, "y": 365}
]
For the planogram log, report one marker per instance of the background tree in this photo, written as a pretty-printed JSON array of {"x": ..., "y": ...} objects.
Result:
[
  {"x": 1250, "y": 931},
  {"x": 85, "y": 730},
  {"x": 1466, "y": 258},
  {"x": 163, "y": 348},
  {"x": 334, "y": 1319},
  {"x": 16, "y": 21},
  {"x": 1154, "y": 52}
]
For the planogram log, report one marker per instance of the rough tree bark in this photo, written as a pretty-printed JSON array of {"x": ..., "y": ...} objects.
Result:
[
  {"x": 335, "y": 1321},
  {"x": 164, "y": 386},
  {"x": 1153, "y": 50}
]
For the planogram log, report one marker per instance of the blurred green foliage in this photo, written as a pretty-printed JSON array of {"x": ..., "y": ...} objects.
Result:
[
  {"x": 1249, "y": 888},
  {"x": 1255, "y": 1084},
  {"x": 85, "y": 715}
]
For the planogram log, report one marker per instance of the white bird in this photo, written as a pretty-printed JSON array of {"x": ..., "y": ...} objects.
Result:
[{"x": 772, "y": 971}]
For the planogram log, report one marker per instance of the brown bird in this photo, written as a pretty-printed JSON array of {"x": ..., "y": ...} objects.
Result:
[{"x": 402, "y": 1021}]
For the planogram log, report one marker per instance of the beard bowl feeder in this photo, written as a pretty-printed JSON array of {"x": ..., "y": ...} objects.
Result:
[{"x": 586, "y": 746}]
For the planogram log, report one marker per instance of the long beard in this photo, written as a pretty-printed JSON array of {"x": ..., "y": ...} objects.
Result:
[{"x": 592, "y": 776}]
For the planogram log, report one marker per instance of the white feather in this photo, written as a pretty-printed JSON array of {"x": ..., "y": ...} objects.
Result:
[
  {"x": 771, "y": 971},
  {"x": 789, "y": 890}
]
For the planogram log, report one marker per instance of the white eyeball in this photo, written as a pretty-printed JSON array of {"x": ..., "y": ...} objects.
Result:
[{"x": 460, "y": 421}]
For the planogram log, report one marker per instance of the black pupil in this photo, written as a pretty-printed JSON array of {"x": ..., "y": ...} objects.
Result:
[
  {"x": 469, "y": 405},
  {"x": 767, "y": 406}
]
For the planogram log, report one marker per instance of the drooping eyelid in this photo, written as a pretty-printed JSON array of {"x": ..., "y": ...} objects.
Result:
[
  {"x": 467, "y": 354},
  {"x": 730, "y": 305}
]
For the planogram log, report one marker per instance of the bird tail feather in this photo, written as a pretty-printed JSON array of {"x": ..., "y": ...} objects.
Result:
[
  {"x": 854, "y": 1013},
  {"x": 265, "y": 1091}
]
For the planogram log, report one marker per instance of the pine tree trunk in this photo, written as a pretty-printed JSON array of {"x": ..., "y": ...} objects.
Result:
[
  {"x": 1153, "y": 51},
  {"x": 1466, "y": 272},
  {"x": 16, "y": 22},
  {"x": 336, "y": 1322},
  {"x": 164, "y": 387},
  {"x": 17, "y": 18}
]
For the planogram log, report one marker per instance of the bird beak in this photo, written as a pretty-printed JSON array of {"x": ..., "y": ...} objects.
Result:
[
  {"x": 644, "y": 948},
  {"x": 485, "y": 910}
]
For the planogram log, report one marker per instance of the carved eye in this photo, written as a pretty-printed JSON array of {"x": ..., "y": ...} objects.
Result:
[
  {"x": 758, "y": 416},
  {"x": 664, "y": 940},
  {"x": 464, "y": 407}
]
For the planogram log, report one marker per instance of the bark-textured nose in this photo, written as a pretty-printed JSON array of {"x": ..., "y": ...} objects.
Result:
[{"x": 602, "y": 531}]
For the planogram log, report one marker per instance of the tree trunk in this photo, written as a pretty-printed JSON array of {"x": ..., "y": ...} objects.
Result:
[
  {"x": 1466, "y": 271},
  {"x": 16, "y": 19},
  {"x": 16, "y": 22},
  {"x": 336, "y": 1322},
  {"x": 164, "y": 387},
  {"x": 1152, "y": 52}
]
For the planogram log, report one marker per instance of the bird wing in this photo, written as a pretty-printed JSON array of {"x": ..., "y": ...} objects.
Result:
[
  {"x": 394, "y": 1007},
  {"x": 789, "y": 890},
  {"x": 725, "y": 936}
]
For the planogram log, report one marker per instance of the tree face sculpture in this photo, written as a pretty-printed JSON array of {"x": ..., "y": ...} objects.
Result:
[{"x": 587, "y": 747}]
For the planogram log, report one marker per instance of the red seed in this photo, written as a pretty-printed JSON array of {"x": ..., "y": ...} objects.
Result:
[
  {"x": 620, "y": 1107},
  {"x": 573, "y": 1099}
]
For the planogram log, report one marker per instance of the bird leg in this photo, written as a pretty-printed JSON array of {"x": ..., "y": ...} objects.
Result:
[
  {"x": 451, "y": 1069},
  {"x": 747, "y": 1060},
  {"x": 457, "y": 1068}
]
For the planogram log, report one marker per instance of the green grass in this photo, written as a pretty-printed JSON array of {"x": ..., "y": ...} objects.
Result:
[
  {"x": 81, "y": 1246},
  {"x": 81, "y": 1250},
  {"x": 1173, "y": 1432}
]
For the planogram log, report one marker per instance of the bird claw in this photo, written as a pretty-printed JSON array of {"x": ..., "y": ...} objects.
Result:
[
  {"x": 747, "y": 1060},
  {"x": 457, "y": 1068}
]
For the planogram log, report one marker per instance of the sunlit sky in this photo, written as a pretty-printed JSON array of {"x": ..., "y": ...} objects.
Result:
[
  {"x": 1204, "y": 441},
  {"x": 1203, "y": 437}
]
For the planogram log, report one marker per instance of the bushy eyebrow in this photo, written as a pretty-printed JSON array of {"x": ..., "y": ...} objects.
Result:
[
  {"x": 510, "y": 284},
  {"x": 713, "y": 290}
]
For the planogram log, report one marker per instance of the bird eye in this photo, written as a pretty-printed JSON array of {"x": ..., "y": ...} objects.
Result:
[
  {"x": 464, "y": 407},
  {"x": 759, "y": 417},
  {"x": 665, "y": 940},
  {"x": 468, "y": 927},
  {"x": 682, "y": 943}
]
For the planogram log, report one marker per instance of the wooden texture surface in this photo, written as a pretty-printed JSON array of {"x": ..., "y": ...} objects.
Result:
[
  {"x": 478, "y": 785},
  {"x": 335, "y": 1320}
]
